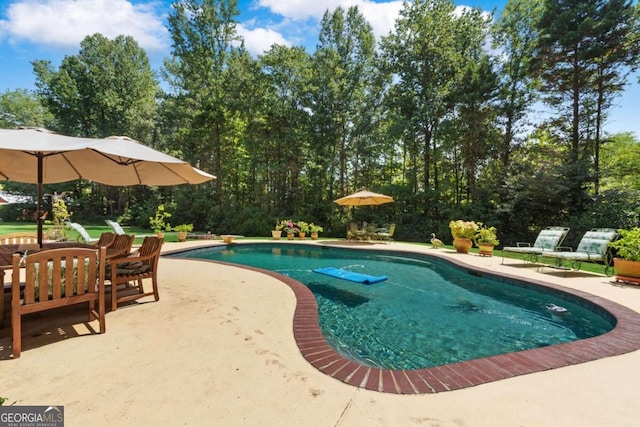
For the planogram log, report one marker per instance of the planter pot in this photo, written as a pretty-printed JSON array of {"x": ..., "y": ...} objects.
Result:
[
  {"x": 160, "y": 235},
  {"x": 290, "y": 236},
  {"x": 462, "y": 244},
  {"x": 182, "y": 236},
  {"x": 314, "y": 236},
  {"x": 301, "y": 235},
  {"x": 485, "y": 249},
  {"x": 276, "y": 234},
  {"x": 627, "y": 271}
]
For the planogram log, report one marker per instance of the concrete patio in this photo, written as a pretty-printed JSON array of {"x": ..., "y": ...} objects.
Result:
[{"x": 218, "y": 349}]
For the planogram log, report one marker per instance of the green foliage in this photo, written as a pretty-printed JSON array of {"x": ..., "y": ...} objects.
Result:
[
  {"x": 303, "y": 226},
  {"x": 58, "y": 230},
  {"x": 463, "y": 229},
  {"x": 315, "y": 228},
  {"x": 628, "y": 245},
  {"x": 108, "y": 88},
  {"x": 158, "y": 222},
  {"x": 21, "y": 108},
  {"x": 487, "y": 235},
  {"x": 429, "y": 116},
  {"x": 183, "y": 228}
]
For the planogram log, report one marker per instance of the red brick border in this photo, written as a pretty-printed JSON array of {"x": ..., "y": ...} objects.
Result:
[{"x": 624, "y": 338}]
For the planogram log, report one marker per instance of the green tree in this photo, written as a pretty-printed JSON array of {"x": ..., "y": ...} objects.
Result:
[
  {"x": 514, "y": 35},
  {"x": 108, "y": 88},
  {"x": 583, "y": 53},
  {"x": 287, "y": 72},
  {"x": 203, "y": 125},
  {"x": 426, "y": 54},
  {"x": 20, "y": 107},
  {"x": 344, "y": 98}
]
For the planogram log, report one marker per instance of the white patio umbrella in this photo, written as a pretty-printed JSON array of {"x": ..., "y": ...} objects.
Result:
[{"x": 38, "y": 156}]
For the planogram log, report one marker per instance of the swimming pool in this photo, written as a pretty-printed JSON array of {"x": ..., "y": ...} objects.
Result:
[{"x": 428, "y": 313}]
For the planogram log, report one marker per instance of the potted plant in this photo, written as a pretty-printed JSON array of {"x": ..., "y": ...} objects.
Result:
[
  {"x": 159, "y": 223},
  {"x": 276, "y": 233},
  {"x": 486, "y": 239},
  {"x": 290, "y": 229},
  {"x": 314, "y": 230},
  {"x": 627, "y": 263},
  {"x": 463, "y": 232},
  {"x": 182, "y": 231},
  {"x": 303, "y": 229}
]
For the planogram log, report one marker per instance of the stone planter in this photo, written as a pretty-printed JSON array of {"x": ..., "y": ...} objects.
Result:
[
  {"x": 302, "y": 235},
  {"x": 276, "y": 234},
  {"x": 182, "y": 236},
  {"x": 290, "y": 236},
  {"x": 314, "y": 236}
]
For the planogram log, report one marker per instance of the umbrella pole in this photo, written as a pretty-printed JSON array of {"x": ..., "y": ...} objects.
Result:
[{"x": 39, "y": 202}]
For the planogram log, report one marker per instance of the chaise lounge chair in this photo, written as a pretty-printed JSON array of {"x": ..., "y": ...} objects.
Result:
[
  {"x": 117, "y": 228},
  {"x": 84, "y": 236},
  {"x": 593, "y": 247},
  {"x": 549, "y": 239}
]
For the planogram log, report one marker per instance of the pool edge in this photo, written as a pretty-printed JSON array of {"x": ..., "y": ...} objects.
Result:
[{"x": 622, "y": 339}]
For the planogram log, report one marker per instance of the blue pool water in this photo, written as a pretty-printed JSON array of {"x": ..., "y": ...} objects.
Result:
[{"x": 427, "y": 313}]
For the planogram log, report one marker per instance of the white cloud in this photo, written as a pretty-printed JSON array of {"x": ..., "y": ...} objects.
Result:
[
  {"x": 381, "y": 15},
  {"x": 259, "y": 40},
  {"x": 68, "y": 22}
]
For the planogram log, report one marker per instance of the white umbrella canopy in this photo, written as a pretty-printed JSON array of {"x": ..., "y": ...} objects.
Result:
[
  {"x": 364, "y": 198},
  {"x": 38, "y": 156},
  {"x": 117, "y": 161}
]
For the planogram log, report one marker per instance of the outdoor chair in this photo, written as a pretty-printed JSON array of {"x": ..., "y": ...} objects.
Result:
[
  {"x": 120, "y": 246},
  {"x": 138, "y": 266},
  {"x": 106, "y": 239},
  {"x": 18, "y": 238},
  {"x": 84, "y": 236},
  {"x": 593, "y": 247},
  {"x": 386, "y": 235},
  {"x": 56, "y": 278},
  {"x": 549, "y": 239},
  {"x": 355, "y": 233},
  {"x": 117, "y": 228}
]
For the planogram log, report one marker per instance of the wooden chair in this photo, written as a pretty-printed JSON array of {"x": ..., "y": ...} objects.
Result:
[
  {"x": 71, "y": 276},
  {"x": 106, "y": 239},
  {"x": 140, "y": 265},
  {"x": 18, "y": 238},
  {"x": 121, "y": 246}
]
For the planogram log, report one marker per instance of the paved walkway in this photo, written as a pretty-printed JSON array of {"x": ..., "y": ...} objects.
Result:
[{"x": 219, "y": 349}]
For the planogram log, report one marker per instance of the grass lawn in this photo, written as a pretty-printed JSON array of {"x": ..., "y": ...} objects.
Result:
[
  {"x": 96, "y": 230},
  {"x": 93, "y": 230}
]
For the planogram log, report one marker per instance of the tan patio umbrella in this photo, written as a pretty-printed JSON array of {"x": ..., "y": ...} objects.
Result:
[
  {"x": 38, "y": 156},
  {"x": 364, "y": 198}
]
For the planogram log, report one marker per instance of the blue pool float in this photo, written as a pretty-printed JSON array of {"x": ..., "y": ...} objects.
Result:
[{"x": 350, "y": 275}]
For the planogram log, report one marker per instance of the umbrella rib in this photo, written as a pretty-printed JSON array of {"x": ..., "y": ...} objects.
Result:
[{"x": 127, "y": 162}]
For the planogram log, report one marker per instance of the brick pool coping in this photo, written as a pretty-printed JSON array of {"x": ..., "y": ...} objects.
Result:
[{"x": 624, "y": 338}]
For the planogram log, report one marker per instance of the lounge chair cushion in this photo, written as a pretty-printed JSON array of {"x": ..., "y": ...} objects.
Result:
[{"x": 548, "y": 239}]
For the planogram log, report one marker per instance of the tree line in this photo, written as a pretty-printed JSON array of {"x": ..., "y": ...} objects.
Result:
[{"x": 443, "y": 113}]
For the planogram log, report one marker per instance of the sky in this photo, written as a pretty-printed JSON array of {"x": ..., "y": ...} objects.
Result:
[{"x": 51, "y": 29}]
